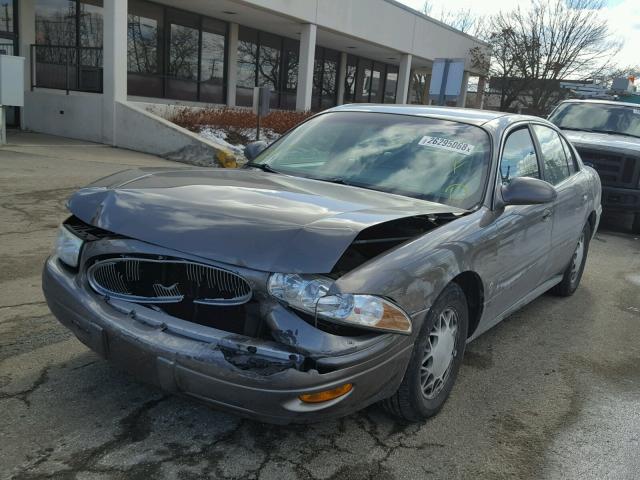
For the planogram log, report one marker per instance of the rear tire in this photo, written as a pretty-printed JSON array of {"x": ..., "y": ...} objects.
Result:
[
  {"x": 435, "y": 360},
  {"x": 635, "y": 228},
  {"x": 573, "y": 273}
]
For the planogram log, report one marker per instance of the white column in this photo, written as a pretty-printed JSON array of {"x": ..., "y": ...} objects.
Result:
[
  {"x": 27, "y": 37},
  {"x": 114, "y": 65},
  {"x": 232, "y": 64},
  {"x": 404, "y": 78},
  {"x": 342, "y": 76},
  {"x": 462, "y": 98},
  {"x": 305, "y": 66}
]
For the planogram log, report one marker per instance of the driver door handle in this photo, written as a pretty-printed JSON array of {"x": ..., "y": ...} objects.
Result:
[{"x": 546, "y": 214}]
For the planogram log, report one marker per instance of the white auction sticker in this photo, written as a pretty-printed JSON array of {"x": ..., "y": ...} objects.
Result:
[
  {"x": 456, "y": 146},
  {"x": 636, "y": 111}
]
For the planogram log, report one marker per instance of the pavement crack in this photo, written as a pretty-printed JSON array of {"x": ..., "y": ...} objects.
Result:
[
  {"x": 24, "y": 395},
  {"x": 26, "y": 232},
  {"x": 40, "y": 302},
  {"x": 85, "y": 365}
]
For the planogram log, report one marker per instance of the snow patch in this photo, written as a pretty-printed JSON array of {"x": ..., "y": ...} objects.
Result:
[{"x": 221, "y": 136}]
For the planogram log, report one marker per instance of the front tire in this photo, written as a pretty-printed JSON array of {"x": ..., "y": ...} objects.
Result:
[
  {"x": 436, "y": 359},
  {"x": 573, "y": 273}
]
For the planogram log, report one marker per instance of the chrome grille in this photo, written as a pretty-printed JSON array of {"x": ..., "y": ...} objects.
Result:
[{"x": 146, "y": 280}]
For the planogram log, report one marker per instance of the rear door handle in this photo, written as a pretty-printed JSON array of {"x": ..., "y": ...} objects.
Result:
[{"x": 546, "y": 214}]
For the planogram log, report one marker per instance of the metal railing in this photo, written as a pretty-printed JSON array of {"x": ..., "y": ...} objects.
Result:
[{"x": 67, "y": 68}]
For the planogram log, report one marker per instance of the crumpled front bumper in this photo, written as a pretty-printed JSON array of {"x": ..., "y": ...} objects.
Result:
[{"x": 203, "y": 369}]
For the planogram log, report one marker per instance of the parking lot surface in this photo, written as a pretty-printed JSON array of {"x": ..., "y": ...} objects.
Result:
[{"x": 551, "y": 392}]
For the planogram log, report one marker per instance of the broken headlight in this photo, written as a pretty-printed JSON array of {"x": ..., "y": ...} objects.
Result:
[
  {"x": 68, "y": 247},
  {"x": 309, "y": 294}
]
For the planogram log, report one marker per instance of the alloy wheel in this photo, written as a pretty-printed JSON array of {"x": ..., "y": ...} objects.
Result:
[
  {"x": 578, "y": 255},
  {"x": 439, "y": 353}
]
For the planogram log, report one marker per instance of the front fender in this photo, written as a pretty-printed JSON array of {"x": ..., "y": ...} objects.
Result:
[{"x": 415, "y": 273}]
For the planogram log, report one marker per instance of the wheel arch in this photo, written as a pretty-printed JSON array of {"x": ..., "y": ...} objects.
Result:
[
  {"x": 592, "y": 221},
  {"x": 473, "y": 288}
]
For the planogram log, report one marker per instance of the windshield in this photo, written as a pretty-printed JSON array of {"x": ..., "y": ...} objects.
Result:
[
  {"x": 598, "y": 117},
  {"x": 437, "y": 160}
]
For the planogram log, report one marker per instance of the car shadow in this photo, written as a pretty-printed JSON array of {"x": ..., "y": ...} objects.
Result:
[{"x": 616, "y": 222}]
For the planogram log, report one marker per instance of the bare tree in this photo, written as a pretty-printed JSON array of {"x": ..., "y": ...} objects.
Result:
[
  {"x": 462, "y": 19},
  {"x": 551, "y": 40},
  {"x": 534, "y": 47},
  {"x": 420, "y": 81}
]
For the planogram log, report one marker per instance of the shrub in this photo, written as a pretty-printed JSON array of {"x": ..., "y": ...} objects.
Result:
[{"x": 236, "y": 118}]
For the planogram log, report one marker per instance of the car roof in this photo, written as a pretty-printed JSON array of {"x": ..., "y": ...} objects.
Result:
[
  {"x": 467, "y": 115},
  {"x": 604, "y": 102}
]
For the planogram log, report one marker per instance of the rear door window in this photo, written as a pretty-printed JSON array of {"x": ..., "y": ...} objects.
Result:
[
  {"x": 571, "y": 159},
  {"x": 556, "y": 167}
]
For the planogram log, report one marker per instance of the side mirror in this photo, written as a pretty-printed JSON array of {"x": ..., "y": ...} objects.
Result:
[
  {"x": 253, "y": 149},
  {"x": 528, "y": 191}
]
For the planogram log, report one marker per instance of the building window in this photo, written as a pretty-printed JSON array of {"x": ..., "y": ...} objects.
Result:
[
  {"x": 8, "y": 27},
  {"x": 6, "y": 16},
  {"x": 325, "y": 76},
  {"x": 367, "y": 81},
  {"x": 350, "y": 79},
  {"x": 247, "y": 65},
  {"x": 329, "y": 90},
  {"x": 9, "y": 46},
  {"x": 175, "y": 54},
  {"x": 69, "y": 37},
  {"x": 212, "y": 61},
  {"x": 90, "y": 23},
  {"x": 269, "y": 65},
  {"x": 184, "y": 46},
  {"x": 363, "y": 80},
  {"x": 56, "y": 22},
  {"x": 267, "y": 60},
  {"x": 391, "y": 84},
  {"x": 144, "y": 49},
  {"x": 377, "y": 82},
  {"x": 290, "y": 57}
]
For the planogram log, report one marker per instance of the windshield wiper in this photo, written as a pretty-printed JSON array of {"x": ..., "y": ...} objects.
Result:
[
  {"x": 337, "y": 180},
  {"x": 265, "y": 167},
  {"x": 342, "y": 181}
]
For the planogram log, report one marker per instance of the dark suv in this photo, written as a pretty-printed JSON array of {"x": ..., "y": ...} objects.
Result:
[{"x": 607, "y": 136}]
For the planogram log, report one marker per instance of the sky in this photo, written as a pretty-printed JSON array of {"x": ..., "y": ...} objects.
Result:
[{"x": 623, "y": 17}]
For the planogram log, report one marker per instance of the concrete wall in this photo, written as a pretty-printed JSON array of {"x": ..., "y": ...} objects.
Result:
[
  {"x": 138, "y": 129},
  {"x": 166, "y": 107},
  {"x": 77, "y": 115},
  {"x": 383, "y": 22}
]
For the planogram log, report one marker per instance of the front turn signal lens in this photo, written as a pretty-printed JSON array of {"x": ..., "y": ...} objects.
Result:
[{"x": 327, "y": 395}]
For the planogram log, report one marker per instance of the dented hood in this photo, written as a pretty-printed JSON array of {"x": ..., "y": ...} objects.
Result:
[{"x": 254, "y": 219}]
